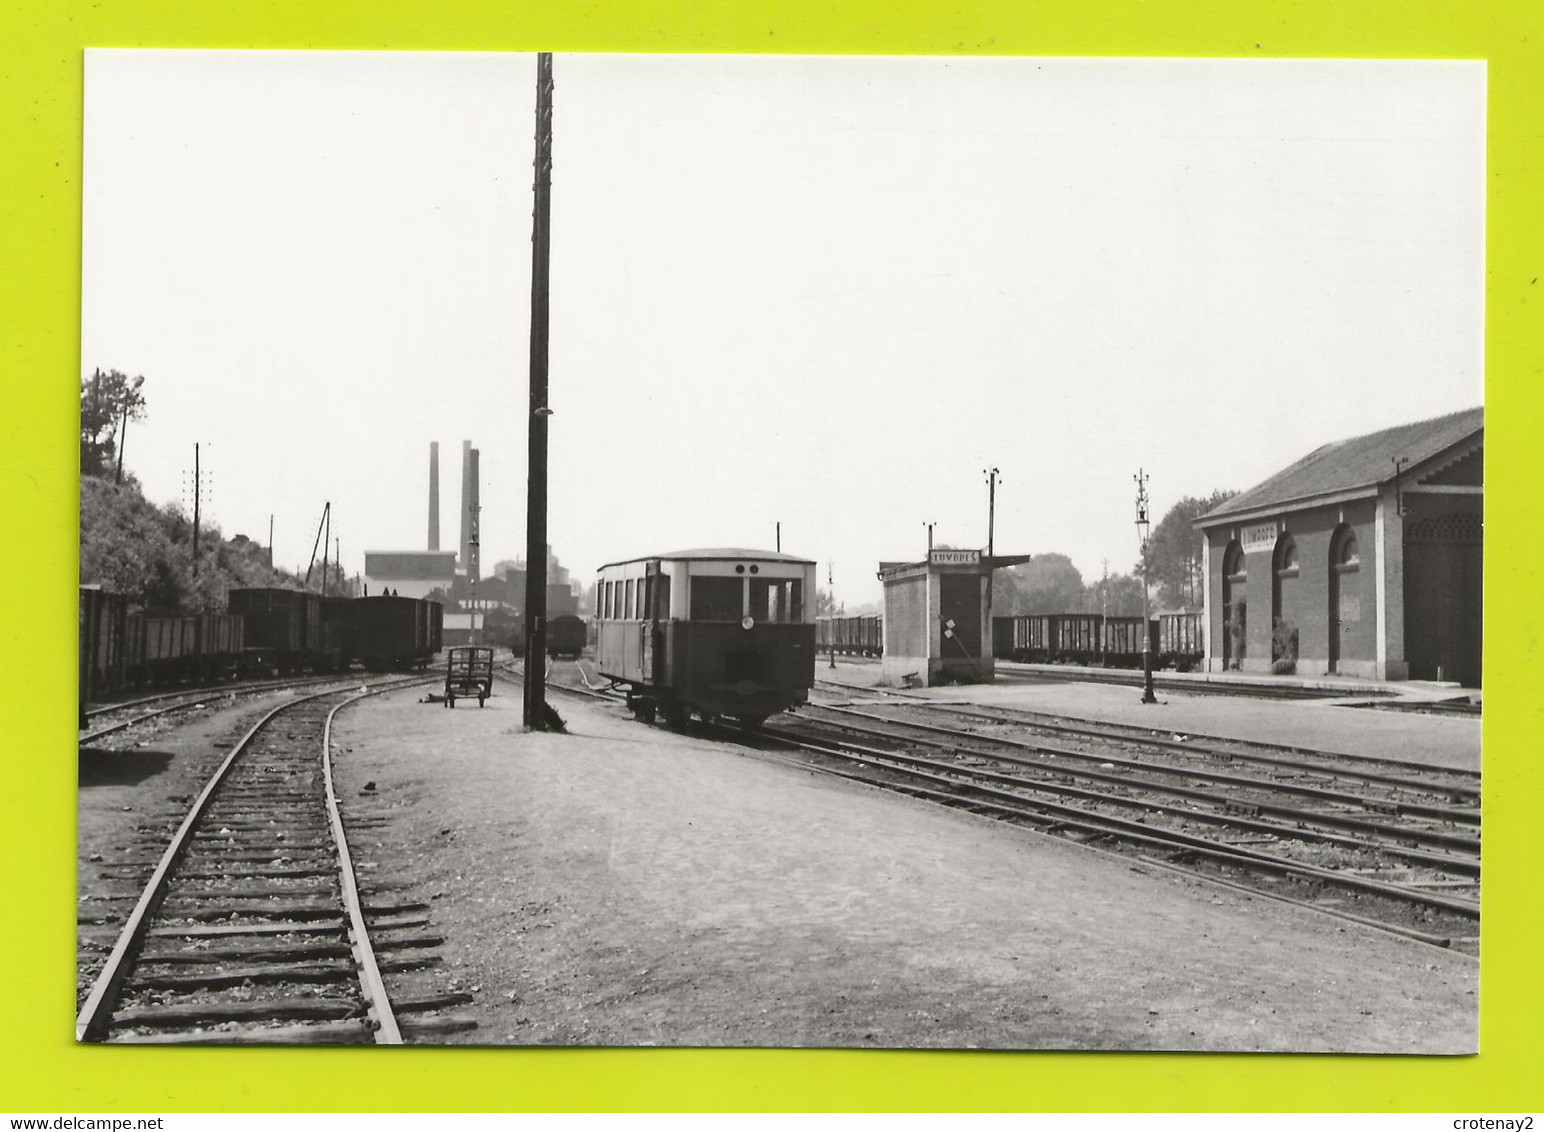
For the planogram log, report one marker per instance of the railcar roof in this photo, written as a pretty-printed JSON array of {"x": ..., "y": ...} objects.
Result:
[{"x": 717, "y": 554}]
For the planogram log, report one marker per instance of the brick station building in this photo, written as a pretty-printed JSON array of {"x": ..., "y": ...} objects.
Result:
[{"x": 1365, "y": 556}]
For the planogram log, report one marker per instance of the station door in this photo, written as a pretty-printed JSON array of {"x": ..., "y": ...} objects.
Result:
[
  {"x": 959, "y": 603},
  {"x": 1443, "y": 560}
]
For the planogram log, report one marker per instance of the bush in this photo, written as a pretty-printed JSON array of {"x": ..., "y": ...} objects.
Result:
[
  {"x": 130, "y": 546},
  {"x": 1283, "y": 647},
  {"x": 1236, "y": 627}
]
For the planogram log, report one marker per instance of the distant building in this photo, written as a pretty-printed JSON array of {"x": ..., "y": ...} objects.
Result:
[
  {"x": 1363, "y": 558},
  {"x": 410, "y": 573}
]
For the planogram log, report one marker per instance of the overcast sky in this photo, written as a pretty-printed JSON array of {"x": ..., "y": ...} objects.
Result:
[{"x": 825, "y": 291}]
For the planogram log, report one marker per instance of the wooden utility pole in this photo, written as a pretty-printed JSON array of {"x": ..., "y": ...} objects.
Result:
[
  {"x": 123, "y": 439},
  {"x": 197, "y": 486},
  {"x": 326, "y": 511},
  {"x": 535, "y": 703},
  {"x": 991, "y": 527}
]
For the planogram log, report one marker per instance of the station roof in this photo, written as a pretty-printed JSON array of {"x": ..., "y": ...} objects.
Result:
[
  {"x": 1359, "y": 465},
  {"x": 717, "y": 554}
]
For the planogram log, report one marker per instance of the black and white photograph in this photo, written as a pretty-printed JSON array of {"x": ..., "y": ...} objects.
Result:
[{"x": 781, "y": 551}]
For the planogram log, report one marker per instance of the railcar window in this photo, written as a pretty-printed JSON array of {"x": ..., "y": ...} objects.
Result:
[
  {"x": 605, "y": 601},
  {"x": 775, "y": 599},
  {"x": 627, "y": 600},
  {"x": 716, "y": 599}
]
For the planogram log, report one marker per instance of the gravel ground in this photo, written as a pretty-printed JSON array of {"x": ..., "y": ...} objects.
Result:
[{"x": 621, "y": 885}]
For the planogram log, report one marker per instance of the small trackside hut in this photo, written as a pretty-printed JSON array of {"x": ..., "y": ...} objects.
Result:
[
  {"x": 937, "y": 619},
  {"x": 720, "y": 632}
]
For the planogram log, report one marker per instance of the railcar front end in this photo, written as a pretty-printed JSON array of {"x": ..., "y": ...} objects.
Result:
[{"x": 720, "y": 632}]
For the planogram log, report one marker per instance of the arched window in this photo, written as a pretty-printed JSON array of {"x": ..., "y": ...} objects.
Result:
[
  {"x": 1286, "y": 557},
  {"x": 1233, "y": 565},
  {"x": 1347, "y": 554}
]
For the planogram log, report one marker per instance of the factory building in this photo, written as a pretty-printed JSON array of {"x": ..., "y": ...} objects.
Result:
[
  {"x": 417, "y": 573},
  {"x": 1363, "y": 558},
  {"x": 409, "y": 573},
  {"x": 457, "y": 573}
]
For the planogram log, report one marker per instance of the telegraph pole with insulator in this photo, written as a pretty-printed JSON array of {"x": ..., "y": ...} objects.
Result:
[
  {"x": 1144, "y": 528},
  {"x": 535, "y": 704},
  {"x": 197, "y": 495},
  {"x": 992, "y": 475}
]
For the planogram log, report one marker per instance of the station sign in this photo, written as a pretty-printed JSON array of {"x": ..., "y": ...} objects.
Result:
[
  {"x": 954, "y": 558},
  {"x": 1261, "y": 536}
]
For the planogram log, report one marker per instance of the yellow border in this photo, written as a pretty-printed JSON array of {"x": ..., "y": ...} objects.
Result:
[{"x": 40, "y": 122}]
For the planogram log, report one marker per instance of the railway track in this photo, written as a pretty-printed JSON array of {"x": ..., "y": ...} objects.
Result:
[
  {"x": 251, "y": 928},
  {"x": 1391, "y": 846},
  {"x": 1127, "y": 678},
  {"x": 1407, "y": 865},
  {"x": 186, "y": 699},
  {"x": 1463, "y": 783}
]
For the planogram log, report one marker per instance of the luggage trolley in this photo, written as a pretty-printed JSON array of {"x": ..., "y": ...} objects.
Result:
[{"x": 468, "y": 672}]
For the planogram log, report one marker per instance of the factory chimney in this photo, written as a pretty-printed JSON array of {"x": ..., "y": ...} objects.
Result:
[
  {"x": 463, "y": 559},
  {"x": 434, "y": 495}
]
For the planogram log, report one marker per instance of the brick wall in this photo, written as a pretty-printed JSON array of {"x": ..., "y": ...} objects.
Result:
[{"x": 1304, "y": 597}]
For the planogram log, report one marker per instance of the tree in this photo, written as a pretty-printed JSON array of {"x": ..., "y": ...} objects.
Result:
[
  {"x": 132, "y": 547},
  {"x": 1122, "y": 597},
  {"x": 108, "y": 401},
  {"x": 1174, "y": 552},
  {"x": 1048, "y": 583}
]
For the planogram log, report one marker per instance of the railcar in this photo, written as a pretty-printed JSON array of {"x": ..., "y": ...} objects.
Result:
[
  {"x": 566, "y": 635},
  {"x": 283, "y": 628},
  {"x": 394, "y": 633},
  {"x": 719, "y": 632},
  {"x": 1120, "y": 643},
  {"x": 1181, "y": 638},
  {"x": 120, "y": 649},
  {"x": 103, "y": 645},
  {"x": 1173, "y": 638},
  {"x": 173, "y": 649},
  {"x": 863, "y": 635}
]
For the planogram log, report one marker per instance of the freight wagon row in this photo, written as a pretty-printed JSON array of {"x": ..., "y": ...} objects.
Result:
[
  {"x": 1049, "y": 638},
  {"x": 269, "y": 631},
  {"x": 1094, "y": 639},
  {"x": 851, "y": 636}
]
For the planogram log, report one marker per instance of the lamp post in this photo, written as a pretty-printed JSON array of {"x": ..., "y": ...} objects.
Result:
[{"x": 1144, "y": 528}]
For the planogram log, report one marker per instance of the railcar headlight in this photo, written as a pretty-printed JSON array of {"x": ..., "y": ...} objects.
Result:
[{"x": 747, "y": 623}]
